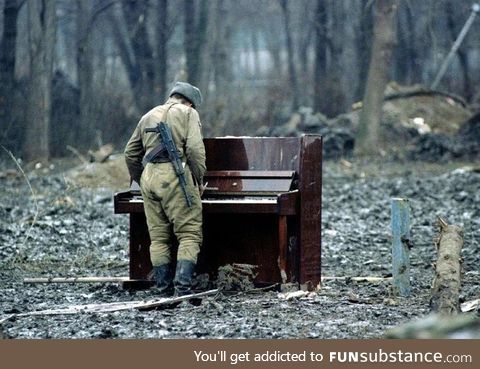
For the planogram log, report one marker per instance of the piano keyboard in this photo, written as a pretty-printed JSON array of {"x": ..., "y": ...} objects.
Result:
[
  {"x": 238, "y": 200},
  {"x": 243, "y": 200}
]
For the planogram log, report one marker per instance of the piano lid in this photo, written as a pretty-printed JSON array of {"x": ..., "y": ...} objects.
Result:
[{"x": 247, "y": 182}]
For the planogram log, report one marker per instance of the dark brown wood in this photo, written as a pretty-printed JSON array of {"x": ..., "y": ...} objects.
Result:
[
  {"x": 282, "y": 247},
  {"x": 310, "y": 188},
  {"x": 140, "y": 264},
  {"x": 263, "y": 207}
]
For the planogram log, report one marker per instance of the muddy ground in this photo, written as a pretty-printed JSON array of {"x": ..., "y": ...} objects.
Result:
[{"x": 71, "y": 231}]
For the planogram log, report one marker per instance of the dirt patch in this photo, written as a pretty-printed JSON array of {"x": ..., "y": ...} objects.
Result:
[
  {"x": 112, "y": 173},
  {"x": 424, "y": 110}
]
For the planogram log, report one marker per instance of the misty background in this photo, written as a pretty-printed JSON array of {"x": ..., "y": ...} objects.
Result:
[{"x": 81, "y": 73}]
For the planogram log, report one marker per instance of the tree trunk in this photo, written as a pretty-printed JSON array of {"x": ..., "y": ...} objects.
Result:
[
  {"x": 86, "y": 124},
  {"x": 195, "y": 36},
  {"x": 363, "y": 45},
  {"x": 335, "y": 103},
  {"x": 135, "y": 12},
  {"x": 42, "y": 27},
  {"x": 461, "y": 53},
  {"x": 292, "y": 74},
  {"x": 7, "y": 63},
  {"x": 221, "y": 66},
  {"x": 320, "y": 55},
  {"x": 413, "y": 45},
  {"x": 161, "y": 88},
  {"x": 304, "y": 43},
  {"x": 130, "y": 34},
  {"x": 446, "y": 286},
  {"x": 368, "y": 135}
]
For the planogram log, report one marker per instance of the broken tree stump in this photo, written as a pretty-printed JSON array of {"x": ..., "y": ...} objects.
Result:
[
  {"x": 400, "y": 246},
  {"x": 446, "y": 285}
]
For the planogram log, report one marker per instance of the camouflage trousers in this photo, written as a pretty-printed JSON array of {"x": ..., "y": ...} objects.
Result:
[{"x": 167, "y": 212}]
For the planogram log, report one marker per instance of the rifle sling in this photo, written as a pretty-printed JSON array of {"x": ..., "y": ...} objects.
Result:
[{"x": 153, "y": 155}]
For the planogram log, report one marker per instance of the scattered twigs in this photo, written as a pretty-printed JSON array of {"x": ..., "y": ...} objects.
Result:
[
  {"x": 111, "y": 306},
  {"x": 446, "y": 285},
  {"x": 27, "y": 234}
]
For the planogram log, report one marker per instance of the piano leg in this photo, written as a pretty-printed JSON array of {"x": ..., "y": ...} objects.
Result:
[
  {"x": 140, "y": 265},
  {"x": 282, "y": 246}
]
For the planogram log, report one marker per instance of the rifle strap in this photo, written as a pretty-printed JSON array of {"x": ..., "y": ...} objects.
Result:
[{"x": 152, "y": 154}]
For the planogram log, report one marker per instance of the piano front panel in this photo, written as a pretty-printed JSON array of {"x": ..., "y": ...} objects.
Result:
[
  {"x": 259, "y": 153},
  {"x": 237, "y": 238}
]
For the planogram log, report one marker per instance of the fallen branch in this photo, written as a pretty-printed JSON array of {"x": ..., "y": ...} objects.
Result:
[
  {"x": 76, "y": 280},
  {"x": 358, "y": 279},
  {"x": 111, "y": 306},
  {"x": 424, "y": 92},
  {"x": 446, "y": 285}
]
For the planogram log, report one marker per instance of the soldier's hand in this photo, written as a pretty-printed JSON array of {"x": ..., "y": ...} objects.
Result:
[{"x": 201, "y": 188}]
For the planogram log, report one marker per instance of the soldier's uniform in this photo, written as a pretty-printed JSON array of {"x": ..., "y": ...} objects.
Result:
[{"x": 165, "y": 204}]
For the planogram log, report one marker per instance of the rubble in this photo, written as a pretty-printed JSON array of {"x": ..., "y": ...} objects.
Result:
[{"x": 417, "y": 123}]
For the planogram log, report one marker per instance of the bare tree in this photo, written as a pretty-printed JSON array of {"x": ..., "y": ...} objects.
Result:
[
  {"x": 195, "y": 33},
  {"x": 85, "y": 70},
  {"x": 41, "y": 33},
  {"x": 320, "y": 54},
  {"x": 87, "y": 13},
  {"x": 163, "y": 34},
  {"x": 454, "y": 24},
  {"x": 364, "y": 41},
  {"x": 7, "y": 60},
  {"x": 368, "y": 135},
  {"x": 292, "y": 74},
  {"x": 405, "y": 56},
  {"x": 306, "y": 34},
  {"x": 221, "y": 63},
  {"x": 129, "y": 22}
]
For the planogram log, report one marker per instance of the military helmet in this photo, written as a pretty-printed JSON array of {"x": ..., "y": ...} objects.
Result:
[{"x": 190, "y": 92}]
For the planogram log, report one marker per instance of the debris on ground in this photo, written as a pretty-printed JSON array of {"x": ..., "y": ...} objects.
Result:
[
  {"x": 416, "y": 123},
  {"x": 236, "y": 277},
  {"x": 77, "y": 234}
]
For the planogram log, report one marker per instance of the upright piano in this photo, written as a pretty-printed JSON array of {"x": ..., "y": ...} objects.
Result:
[{"x": 261, "y": 206}]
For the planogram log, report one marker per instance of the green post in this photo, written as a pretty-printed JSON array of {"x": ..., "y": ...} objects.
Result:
[{"x": 400, "y": 246}]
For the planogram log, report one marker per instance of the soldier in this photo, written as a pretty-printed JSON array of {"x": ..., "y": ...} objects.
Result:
[{"x": 166, "y": 208}]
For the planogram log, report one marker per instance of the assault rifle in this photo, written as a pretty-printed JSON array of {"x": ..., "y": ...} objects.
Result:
[{"x": 166, "y": 140}]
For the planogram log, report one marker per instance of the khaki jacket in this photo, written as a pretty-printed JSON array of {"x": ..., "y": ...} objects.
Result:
[{"x": 186, "y": 131}]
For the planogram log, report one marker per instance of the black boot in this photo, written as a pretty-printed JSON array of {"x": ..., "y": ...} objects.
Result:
[
  {"x": 163, "y": 280},
  {"x": 183, "y": 277}
]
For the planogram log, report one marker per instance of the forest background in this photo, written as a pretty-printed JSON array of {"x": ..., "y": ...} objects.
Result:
[{"x": 80, "y": 73}]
